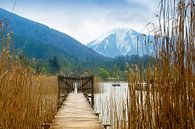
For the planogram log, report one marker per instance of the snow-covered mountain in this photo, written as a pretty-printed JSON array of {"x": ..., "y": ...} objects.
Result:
[{"x": 123, "y": 41}]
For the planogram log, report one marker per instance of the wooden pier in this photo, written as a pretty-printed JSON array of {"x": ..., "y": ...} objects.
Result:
[
  {"x": 76, "y": 113},
  {"x": 76, "y": 101}
]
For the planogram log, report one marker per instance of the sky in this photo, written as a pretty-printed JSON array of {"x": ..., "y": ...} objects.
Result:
[{"x": 86, "y": 20}]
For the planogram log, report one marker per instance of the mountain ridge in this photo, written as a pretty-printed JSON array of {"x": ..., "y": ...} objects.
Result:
[{"x": 23, "y": 27}]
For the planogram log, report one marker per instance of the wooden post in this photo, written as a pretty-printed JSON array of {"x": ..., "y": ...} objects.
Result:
[
  {"x": 92, "y": 92},
  {"x": 81, "y": 87},
  {"x": 65, "y": 88}
]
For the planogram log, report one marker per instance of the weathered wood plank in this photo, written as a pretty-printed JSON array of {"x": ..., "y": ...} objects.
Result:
[{"x": 76, "y": 113}]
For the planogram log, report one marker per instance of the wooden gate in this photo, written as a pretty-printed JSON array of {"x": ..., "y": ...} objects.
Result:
[{"x": 76, "y": 83}]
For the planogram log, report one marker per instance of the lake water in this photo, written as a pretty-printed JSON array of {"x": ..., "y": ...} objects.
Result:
[{"x": 111, "y": 103}]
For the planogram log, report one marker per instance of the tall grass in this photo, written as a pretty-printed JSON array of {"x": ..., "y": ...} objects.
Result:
[
  {"x": 168, "y": 100},
  {"x": 27, "y": 101}
]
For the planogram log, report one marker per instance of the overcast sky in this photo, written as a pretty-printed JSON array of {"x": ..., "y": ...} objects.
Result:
[{"x": 85, "y": 20}]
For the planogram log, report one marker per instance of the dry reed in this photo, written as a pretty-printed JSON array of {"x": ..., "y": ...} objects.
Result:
[
  {"x": 163, "y": 96},
  {"x": 27, "y": 101},
  {"x": 168, "y": 99}
]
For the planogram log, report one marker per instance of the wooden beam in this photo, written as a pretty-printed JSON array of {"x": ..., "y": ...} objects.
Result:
[
  {"x": 84, "y": 85},
  {"x": 67, "y": 84}
]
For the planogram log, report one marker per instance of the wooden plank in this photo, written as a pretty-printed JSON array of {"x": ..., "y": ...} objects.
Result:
[{"x": 76, "y": 113}]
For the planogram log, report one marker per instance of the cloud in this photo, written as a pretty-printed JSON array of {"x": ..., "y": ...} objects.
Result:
[{"x": 85, "y": 20}]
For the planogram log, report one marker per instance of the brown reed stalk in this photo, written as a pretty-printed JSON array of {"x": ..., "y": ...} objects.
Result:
[
  {"x": 167, "y": 102},
  {"x": 26, "y": 100}
]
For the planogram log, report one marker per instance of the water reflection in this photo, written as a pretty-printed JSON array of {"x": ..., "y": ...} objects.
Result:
[{"x": 111, "y": 103}]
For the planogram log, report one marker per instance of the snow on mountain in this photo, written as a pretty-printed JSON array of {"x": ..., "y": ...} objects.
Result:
[{"x": 123, "y": 41}]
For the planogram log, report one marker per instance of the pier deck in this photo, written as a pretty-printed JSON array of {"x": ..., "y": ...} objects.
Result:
[{"x": 76, "y": 113}]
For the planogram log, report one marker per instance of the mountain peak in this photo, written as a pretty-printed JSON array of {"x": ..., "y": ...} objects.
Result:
[
  {"x": 117, "y": 31},
  {"x": 120, "y": 41}
]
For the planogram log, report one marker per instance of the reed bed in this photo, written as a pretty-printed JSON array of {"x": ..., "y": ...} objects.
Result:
[
  {"x": 27, "y": 100},
  {"x": 167, "y": 101}
]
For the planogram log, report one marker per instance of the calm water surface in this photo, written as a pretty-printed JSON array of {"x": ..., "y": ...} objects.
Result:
[{"x": 111, "y": 102}]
